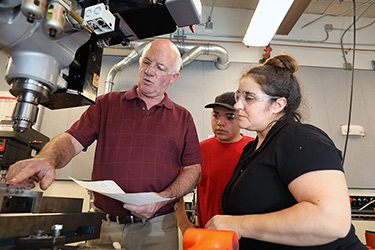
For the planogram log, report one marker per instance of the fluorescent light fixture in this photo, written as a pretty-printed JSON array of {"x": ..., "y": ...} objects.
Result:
[{"x": 267, "y": 18}]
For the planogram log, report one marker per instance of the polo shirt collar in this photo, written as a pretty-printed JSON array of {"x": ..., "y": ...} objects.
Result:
[
  {"x": 132, "y": 94},
  {"x": 273, "y": 132},
  {"x": 279, "y": 125}
]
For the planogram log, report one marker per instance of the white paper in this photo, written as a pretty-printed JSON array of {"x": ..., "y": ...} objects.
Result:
[
  {"x": 111, "y": 189},
  {"x": 7, "y": 104}
]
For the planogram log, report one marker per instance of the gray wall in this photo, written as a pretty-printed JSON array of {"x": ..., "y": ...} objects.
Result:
[
  {"x": 326, "y": 92},
  {"x": 326, "y": 105}
]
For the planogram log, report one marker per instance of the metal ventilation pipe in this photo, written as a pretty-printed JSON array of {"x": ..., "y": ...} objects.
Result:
[
  {"x": 190, "y": 52},
  {"x": 131, "y": 58}
]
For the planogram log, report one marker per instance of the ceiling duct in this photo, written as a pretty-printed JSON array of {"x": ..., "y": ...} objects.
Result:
[
  {"x": 189, "y": 51},
  {"x": 192, "y": 51},
  {"x": 131, "y": 58}
]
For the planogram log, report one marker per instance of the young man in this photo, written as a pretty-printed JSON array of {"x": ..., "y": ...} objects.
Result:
[
  {"x": 143, "y": 139},
  {"x": 220, "y": 156}
]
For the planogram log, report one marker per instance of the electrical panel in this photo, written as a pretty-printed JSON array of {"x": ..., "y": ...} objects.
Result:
[
  {"x": 358, "y": 202},
  {"x": 363, "y": 207}
]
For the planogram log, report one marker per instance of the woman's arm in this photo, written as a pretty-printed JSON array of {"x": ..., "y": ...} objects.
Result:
[{"x": 321, "y": 215}]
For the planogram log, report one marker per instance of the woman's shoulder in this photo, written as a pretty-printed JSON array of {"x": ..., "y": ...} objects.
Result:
[
  {"x": 302, "y": 134},
  {"x": 304, "y": 129}
]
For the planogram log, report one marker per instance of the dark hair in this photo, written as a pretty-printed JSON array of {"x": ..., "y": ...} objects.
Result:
[{"x": 276, "y": 77}]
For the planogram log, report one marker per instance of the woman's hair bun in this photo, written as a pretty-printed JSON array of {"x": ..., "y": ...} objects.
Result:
[{"x": 283, "y": 61}]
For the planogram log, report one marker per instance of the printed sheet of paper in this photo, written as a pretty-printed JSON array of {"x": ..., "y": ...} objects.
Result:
[
  {"x": 7, "y": 104},
  {"x": 111, "y": 189}
]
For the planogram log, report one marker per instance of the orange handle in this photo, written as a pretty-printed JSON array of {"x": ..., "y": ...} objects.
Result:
[{"x": 205, "y": 239}]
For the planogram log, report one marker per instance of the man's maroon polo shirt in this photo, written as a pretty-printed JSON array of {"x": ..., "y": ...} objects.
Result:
[{"x": 141, "y": 150}]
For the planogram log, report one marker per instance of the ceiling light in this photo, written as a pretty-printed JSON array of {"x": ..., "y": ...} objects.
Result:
[{"x": 267, "y": 18}]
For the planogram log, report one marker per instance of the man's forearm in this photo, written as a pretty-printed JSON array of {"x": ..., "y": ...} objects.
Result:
[
  {"x": 60, "y": 150},
  {"x": 55, "y": 154},
  {"x": 186, "y": 181}
]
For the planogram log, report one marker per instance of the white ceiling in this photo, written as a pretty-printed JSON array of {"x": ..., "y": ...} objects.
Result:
[{"x": 321, "y": 7}]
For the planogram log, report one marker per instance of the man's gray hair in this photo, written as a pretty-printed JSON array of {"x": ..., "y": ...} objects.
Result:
[{"x": 177, "y": 63}]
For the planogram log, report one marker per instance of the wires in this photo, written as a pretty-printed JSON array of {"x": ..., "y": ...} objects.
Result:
[
  {"x": 355, "y": 30},
  {"x": 209, "y": 24},
  {"x": 351, "y": 85},
  {"x": 342, "y": 14}
]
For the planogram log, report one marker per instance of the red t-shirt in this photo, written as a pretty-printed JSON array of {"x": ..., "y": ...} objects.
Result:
[
  {"x": 141, "y": 150},
  {"x": 219, "y": 161}
]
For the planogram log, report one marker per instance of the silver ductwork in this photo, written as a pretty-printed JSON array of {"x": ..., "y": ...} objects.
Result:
[
  {"x": 189, "y": 51},
  {"x": 131, "y": 58},
  {"x": 192, "y": 51}
]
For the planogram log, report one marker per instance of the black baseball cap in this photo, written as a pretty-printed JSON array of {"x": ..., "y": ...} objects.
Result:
[{"x": 226, "y": 99}]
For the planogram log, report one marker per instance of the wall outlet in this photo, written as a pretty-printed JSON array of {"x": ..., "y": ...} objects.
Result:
[{"x": 353, "y": 130}]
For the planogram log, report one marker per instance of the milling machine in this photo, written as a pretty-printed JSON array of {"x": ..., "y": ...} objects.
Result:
[
  {"x": 55, "y": 50},
  {"x": 55, "y": 46}
]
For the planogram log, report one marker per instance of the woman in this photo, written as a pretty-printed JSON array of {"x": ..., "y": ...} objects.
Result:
[{"x": 288, "y": 190}]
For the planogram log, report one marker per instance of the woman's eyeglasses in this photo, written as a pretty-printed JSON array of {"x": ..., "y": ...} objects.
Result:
[{"x": 250, "y": 97}]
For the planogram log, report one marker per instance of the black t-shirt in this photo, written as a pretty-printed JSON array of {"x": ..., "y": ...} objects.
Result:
[{"x": 260, "y": 180}]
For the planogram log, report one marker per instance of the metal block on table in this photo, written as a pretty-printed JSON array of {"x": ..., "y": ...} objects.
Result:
[{"x": 75, "y": 226}]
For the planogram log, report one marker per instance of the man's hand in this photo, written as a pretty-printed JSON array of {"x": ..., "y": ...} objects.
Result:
[
  {"x": 25, "y": 171},
  {"x": 55, "y": 154},
  {"x": 145, "y": 211},
  {"x": 183, "y": 184}
]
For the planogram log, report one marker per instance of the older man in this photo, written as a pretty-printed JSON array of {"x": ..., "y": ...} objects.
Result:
[{"x": 143, "y": 138}]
